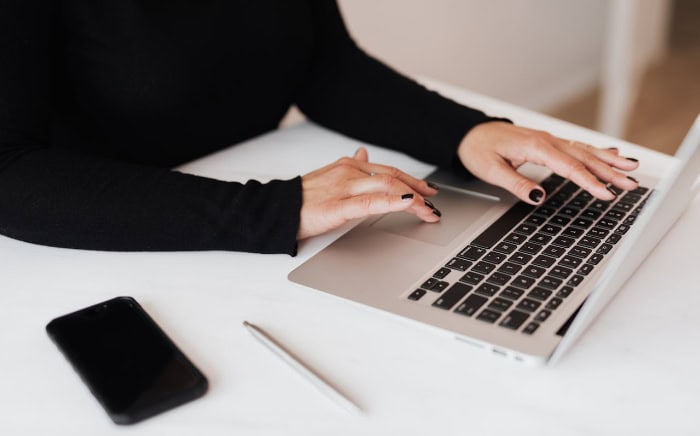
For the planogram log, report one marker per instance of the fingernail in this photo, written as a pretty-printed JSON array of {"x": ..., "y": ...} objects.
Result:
[
  {"x": 433, "y": 185},
  {"x": 611, "y": 191},
  {"x": 429, "y": 204},
  {"x": 632, "y": 179},
  {"x": 407, "y": 197},
  {"x": 632, "y": 159},
  {"x": 536, "y": 195},
  {"x": 437, "y": 212}
]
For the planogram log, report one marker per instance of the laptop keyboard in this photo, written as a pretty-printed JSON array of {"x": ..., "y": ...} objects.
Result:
[{"x": 519, "y": 270}]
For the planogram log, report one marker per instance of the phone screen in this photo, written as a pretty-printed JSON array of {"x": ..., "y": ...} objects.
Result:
[{"x": 130, "y": 365}]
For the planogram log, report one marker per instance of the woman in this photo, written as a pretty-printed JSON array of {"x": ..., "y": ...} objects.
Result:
[{"x": 99, "y": 99}]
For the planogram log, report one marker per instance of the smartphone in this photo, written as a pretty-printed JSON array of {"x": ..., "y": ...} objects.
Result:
[{"x": 129, "y": 364}]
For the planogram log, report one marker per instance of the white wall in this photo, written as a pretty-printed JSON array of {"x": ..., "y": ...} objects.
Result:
[{"x": 535, "y": 53}]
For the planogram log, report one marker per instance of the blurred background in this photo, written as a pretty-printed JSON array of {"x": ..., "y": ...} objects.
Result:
[{"x": 630, "y": 68}]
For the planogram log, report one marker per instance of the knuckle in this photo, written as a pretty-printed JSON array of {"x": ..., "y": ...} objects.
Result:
[
  {"x": 522, "y": 186},
  {"x": 575, "y": 166}
]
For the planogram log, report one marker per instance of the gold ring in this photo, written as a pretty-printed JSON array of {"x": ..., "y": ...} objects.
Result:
[{"x": 372, "y": 174}]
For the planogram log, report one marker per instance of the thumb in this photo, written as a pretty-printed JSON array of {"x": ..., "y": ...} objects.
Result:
[{"x": 361, "y": 155}]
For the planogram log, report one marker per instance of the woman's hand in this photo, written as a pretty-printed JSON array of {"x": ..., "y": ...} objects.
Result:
[
  {"x": 493, "y": 151},
  {"x": 354, "y": 188}
]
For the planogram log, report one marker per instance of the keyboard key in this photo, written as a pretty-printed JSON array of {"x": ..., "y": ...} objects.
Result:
[
  {"x": 452, "y": 296},
  {"x": 440, "y": 286},
  {"x": 565, "y": 292},
  {"x": 561, "y": 272},
  {"x": 498, "y": 278},
  {"x": 488, "y": 315},
  {"x": 575, "y": 280},
  {"x": 560, "y": 220},
  {"x": 520, "y": 258},
  {"x": 484, "y": 267},
  {"x": 600, "y": 205},
  {"x": 531, "y": 328},
  {"x": 569, "y": 211},
  {"x": 614, "y": 238},
  {"x": 614, "y": 214},
  {"x": 551, "y": 183},
  {"x": 550, "y": 282},
  {"x": 535, "y": 220},
  {"x": 512, "y": 293},
  {"x": 590, "y": 242},
  {"x": 542, "y": 315},
  {"x": 631, "y": 198},
  {"x": 598, "y": 232},
  {"x": 539, "y": 238},
  {"x": 530, "y": 248},
  {"x": 573, "y": 232},
  {"x": 514, "y": 319},
  {"x": 553, "y": 303},
  {"x": 441, "y": 273},
  {"x": 579, "y": 251},
  {"x": 472, "y": 253},
  {"x": 544, "y": 261},
  {"x": 554, "y": 251},
  {"x": 523, "y": 282},
  {"x": 416, "y": 295},
  {"x": 579, "y": 202},
  {"x": 550, "y": 229},
  {"x": 570, "y": 188},
  {"x": 494, "y": 257},
  {"x": 526, "y": 229},
  {"x": 585, "y": 269},
  {"x": 623, "y": 207},
  {"x": 582, "y": 222},
  {"x": 544, "y": 211},
  {"x": 622, "y": 229},
  {"x": 539, "y": 293},
  {"x": 503, "y": 225},
  {"x": 500, "y": 304},
  {"x": 528, "y": 305},
  {"x": 487, "y": 289},
  {"x": 570, "y": 261},
  {"x": 509, "y": 268},
  {"x": 606, "y": 223},
  {"x": 505, "y": 247},
  {"x": 640, "y": 190},
  {"x": 591, "y": 214},
  {"x": 595, "y": 259},
  {"x": 515, "y": 238},
  {"x": 472, "y": 278},
  {"x": 458, "y": 264},
  {"x": 428, "y": 284},
  {"x": 563, "y": 241},
  {"x": 534, "y": 271},
  {"x": 604, "y": 249},
  {"x": 471, "y": 305}
]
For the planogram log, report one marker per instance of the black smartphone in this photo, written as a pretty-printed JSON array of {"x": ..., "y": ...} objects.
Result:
[{"x": 130, "y": 365}]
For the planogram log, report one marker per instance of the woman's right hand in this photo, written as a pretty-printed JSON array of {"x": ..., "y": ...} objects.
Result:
[{"x": 353, "y": 187}]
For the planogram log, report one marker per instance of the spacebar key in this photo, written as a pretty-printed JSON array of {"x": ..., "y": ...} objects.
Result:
[{"x": 503, "y": 225}]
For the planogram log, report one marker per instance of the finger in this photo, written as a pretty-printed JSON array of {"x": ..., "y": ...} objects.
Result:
[
  {"x": 383, "y": 183},
  {"x": 593, "y": 159},
  {"x": 504, "y": 175},
  {"x": 362, "y": 206},
  {"x": 417, "y": 185},
  {"x": 568, "y": 167},
  {"x": 361, "y": 154},
  {"x": 610, "y": 156}
]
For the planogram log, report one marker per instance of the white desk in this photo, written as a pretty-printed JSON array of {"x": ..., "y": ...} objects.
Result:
[{"x": 634, "y": 371}]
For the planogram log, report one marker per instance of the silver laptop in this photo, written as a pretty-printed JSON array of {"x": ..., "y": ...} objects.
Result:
[{"x": 516, "y": 280}]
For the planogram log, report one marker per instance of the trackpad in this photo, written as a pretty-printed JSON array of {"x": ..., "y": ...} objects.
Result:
[{"x": 459, "y": 211}]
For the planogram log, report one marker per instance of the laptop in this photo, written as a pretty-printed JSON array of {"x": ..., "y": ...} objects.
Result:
[{"x": 516, "y": 280}]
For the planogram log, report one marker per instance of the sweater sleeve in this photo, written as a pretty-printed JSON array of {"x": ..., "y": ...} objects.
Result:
[
  {"x": 54, "y": 196},
  {"x": 349, "y": 91}
]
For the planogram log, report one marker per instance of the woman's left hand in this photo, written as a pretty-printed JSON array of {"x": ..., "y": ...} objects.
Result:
[{"x": 494, "y": 150}]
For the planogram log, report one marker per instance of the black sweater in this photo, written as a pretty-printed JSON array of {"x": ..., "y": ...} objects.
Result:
[{"x": 99, "y": 99}]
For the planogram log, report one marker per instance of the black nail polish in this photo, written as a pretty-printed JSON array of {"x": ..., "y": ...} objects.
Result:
[
  {"x": 632, "y": 159},
  {"x": 611, "y": 191},
  {"x": 632, "y": 179},
  {"x": 437, "y": 212},
  {"x": 612, "y": 148},
  {"x": 407, "y": 196},
  {"x": 433, "y": 185},
  {"x": 429, "y": 204},
  {"x": 536, "y": 195}
]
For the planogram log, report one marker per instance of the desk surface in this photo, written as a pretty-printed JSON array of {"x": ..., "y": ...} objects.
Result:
[{"x": 633, "y": 371}]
